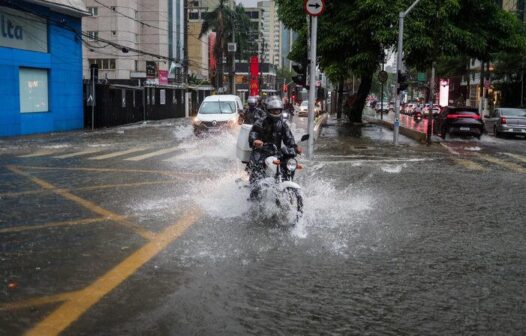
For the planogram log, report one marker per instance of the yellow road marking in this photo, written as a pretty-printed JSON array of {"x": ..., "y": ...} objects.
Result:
[
  {"x": 511, "y": 166},
  {"x": 115, "y": 154},
  {"x": 41, "y": 301},
  {"x": 96, "y": 187},
  {"x": 74, "y": 308},
  {"x": 84, "y": 152},
  {"x": 86, "y": 204},
  {"x": 516, "y": 156},
  {"x": 451, "y": 150},
  {"x": 41, "y": 152},
  {"x": 156, "y": 153},
  {"x": 126, "y": 185},
  {"x": 111, "y": 170},
  {"x": 52, "y": 225},
  {"x": 471, "y": 165}
]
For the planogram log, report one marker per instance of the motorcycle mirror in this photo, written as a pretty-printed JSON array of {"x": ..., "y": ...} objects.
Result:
[{"x": 305, "y": 137}]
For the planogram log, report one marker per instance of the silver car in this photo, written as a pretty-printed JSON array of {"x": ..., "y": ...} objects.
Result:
[{"x": 504, "y": 121}]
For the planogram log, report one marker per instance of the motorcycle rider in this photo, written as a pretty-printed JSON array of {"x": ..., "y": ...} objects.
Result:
[
  {"x": 253, "y": 113},
  {"x": 273, "y": 130}
]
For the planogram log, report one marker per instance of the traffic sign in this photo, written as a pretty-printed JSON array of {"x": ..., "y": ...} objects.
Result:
[
  {"x": 382, "y": 76},
  {"x": 314, "y": 7}
]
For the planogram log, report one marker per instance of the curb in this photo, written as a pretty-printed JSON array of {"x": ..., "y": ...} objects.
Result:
[{"x": 319, "y": 123}]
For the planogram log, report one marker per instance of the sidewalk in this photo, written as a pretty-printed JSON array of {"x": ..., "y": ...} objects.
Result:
[{"x": 408, "y": 126}]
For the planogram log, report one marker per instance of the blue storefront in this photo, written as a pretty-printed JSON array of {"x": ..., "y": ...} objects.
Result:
[{"x": 40, "y": 66}]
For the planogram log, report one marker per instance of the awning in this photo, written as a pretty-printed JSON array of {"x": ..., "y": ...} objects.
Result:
[{"x": 75, "y": 8}]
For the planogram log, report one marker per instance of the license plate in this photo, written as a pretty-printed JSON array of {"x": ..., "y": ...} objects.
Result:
[
  {"x": 214, "y": 129},
  {"x": 465, "y": 128}
]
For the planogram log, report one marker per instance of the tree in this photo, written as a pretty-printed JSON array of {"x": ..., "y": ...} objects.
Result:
[
  {"x": 225, "y": 22},
  {"x": 352, "y": 34}
]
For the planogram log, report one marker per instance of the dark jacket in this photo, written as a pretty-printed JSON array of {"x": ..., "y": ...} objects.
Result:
[
  {"x": 252, "y": 115},
  {"x": 270, "y": 130}
]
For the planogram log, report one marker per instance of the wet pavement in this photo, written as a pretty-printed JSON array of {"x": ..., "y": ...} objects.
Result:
[{"x": 146, "y": 230}]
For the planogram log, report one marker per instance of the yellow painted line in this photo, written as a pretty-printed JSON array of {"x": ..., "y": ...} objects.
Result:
[
  {"x": 126, "y": 185},
  {"x": 509, "y": 165},
  {"x": 73, "y": 309},
  {"x": 84, "y": 152},
  {"x": 471, "y": 165},
  {"x": 150, "y": 155},
  {"x": 35, "y": 302},
  {"x": 96, "y": 187},
  {"x": 516, "y": 156},
  {"x": 24, "y": 228},
  {"x": 111, "y": 170},
  {"x": 451, "y": 150},
  {"x": 87, "y": 204},
  {"x": 116, "y": 154},
  {"x": 41, "y": 152}
]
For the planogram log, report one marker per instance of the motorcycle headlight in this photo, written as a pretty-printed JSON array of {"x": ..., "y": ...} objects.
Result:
[
  {"x": 285, "y": 114},
  {"x": 292, "y": 164}
]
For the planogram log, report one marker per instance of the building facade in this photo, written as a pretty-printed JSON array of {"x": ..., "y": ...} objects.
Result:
[
  {"x": 123, "y": 35},
  {"x": 41, "y": 66},
  {"x": 270, "y": 28}
]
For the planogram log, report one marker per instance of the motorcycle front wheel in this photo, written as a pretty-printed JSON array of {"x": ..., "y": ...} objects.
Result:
[{"x": 294, "y": 205}]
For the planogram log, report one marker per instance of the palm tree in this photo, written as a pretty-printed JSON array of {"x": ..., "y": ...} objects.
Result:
[{"x": 225, "y": 21}]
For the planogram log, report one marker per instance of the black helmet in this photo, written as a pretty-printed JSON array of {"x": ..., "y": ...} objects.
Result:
[{"x": 274, "y": 108}]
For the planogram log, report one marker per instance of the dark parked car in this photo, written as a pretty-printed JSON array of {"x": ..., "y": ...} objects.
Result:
[
  {"x": 503, "y": 121},
  {"x": 459, "y": 120}
]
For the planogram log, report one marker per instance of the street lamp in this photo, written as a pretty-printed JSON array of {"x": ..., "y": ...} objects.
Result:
[{"x": 399, "y": 65}]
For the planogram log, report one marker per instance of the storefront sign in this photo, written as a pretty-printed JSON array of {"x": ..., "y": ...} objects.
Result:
[{"x": 21, "y": 30}]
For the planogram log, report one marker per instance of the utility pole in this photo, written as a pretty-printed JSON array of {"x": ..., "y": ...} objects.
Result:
[
  {"x": 185, "y": 60},
  {"x": 399, "y": 66},
  {"x": 233, "y": 72},
  {"x": 432, "y": 102}
]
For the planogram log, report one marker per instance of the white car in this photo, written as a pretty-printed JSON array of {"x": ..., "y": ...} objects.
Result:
[
  {"x": 217, "y": 113},
  {"x": 304, "y": 109}
]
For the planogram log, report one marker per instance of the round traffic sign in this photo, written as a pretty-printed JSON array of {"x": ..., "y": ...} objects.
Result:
[
  {"x": 314, "y": 7},
  {"x": 382, "y": 76}
]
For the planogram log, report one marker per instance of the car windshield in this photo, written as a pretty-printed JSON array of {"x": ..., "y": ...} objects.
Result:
[
  {"x": 304, "y": 103},
  {"x": 513, "y": 112},
  {"x": 217, "y": 107}
]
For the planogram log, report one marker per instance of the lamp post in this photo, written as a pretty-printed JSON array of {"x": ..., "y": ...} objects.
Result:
[{"x": 399, "y": 66}]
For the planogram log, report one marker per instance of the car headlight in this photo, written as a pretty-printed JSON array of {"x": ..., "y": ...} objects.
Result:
[
  {"x": 196, "y": 121},
  {"x": 292, "y": 164},
  {"x": 232, "y": 122}
]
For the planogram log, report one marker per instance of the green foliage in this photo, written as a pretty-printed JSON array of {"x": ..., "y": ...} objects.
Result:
[{"x": 353, "y": 34}]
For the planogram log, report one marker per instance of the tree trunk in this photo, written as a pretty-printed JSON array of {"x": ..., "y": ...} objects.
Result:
[
  {"x": 339, "y": 107},
  {"x": 356, "y": 111}
]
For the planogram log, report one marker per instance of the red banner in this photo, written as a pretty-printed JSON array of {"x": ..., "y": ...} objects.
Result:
[
  {"x": 163, "y": 77},
  {"x": 254, "y": 76}
]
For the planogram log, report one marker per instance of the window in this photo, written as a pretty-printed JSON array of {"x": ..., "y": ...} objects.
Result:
[
  {"x": 33, "y": 90},
  {"x": 104, "y": 63},
  {"x": 94, "y": 11},
  {"x": 193, "y": 15},
  {"x": 93, "y": 35}
]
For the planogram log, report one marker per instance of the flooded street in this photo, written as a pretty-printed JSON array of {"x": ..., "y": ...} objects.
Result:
[{"x": 147, "y": 230}]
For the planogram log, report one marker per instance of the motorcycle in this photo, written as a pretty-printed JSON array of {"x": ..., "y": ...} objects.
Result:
[{"x": 280, "y": 167}]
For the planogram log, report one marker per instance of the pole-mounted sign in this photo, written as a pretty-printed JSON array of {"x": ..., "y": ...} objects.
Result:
[{"x": 314, "y": 7}]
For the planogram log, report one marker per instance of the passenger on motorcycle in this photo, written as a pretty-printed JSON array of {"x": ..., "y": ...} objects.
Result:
[
  {"x": 269, "y": 130},
  {"x": 253, "y": 113}
]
